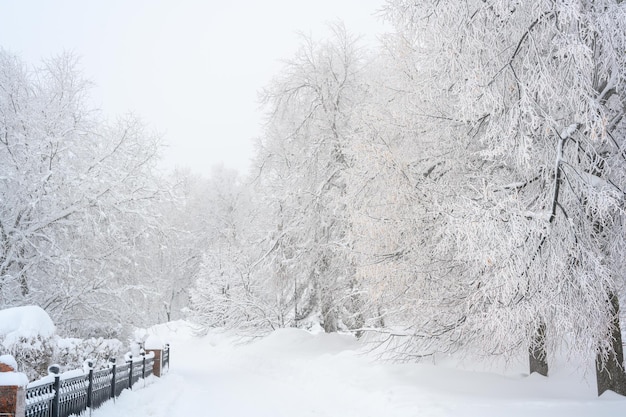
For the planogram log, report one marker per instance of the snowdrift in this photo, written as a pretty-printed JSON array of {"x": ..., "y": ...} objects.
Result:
[{"x": 292, "y": 372}]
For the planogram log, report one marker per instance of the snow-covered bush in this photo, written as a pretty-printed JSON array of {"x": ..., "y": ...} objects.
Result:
[
  {"x": 71, "y": 353},
  {"x": 97, "y": 330},
  {"x": 32, "y": 354},
  {"x": 27, "y": 333}
]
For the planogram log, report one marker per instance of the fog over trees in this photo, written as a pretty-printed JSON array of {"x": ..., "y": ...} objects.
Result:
[{"x": 458, "y": 187}]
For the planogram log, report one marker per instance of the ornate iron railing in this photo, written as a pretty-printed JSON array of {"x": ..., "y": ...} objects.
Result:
[
  {"x": 149, "y": 369},
  {"x": 122, "y": 378},
  {"x": 73, "y": 395},
  {"x": 54, "y": 396},
  {"x": 136, "y": 372},
  {"x": 39, "y": 400},
  {"x": 100, "y": 387}
]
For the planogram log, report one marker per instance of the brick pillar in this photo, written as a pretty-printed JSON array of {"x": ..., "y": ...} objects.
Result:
[
  {"x": 156, "y": 367},
  {"x": 12, "y": 389}
]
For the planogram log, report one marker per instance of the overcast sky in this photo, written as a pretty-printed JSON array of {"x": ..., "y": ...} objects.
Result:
[{"x": 190, "y": 69}]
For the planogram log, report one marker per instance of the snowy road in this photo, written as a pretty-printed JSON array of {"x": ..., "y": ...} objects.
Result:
[{"x": 296, "y": 374}]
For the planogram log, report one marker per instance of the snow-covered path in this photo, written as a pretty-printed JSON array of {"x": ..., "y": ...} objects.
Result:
[{"x": 293, "y": 373}]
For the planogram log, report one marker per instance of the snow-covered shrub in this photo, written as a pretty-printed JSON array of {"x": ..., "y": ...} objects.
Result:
[
  {"x": 27, "y": 333},
  {"x": 99, "y": 330},
  {"x": 71, "y": 353},
  {"x": 32, "y": 354}
]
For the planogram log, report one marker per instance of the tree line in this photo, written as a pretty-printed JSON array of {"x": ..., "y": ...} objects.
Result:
[{"x": 459, "y": 186}]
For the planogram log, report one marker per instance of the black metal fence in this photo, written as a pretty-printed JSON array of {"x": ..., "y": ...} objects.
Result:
[{"x": 64, "y": 397}]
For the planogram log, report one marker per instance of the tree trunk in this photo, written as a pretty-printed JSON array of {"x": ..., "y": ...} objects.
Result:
[
  {"x": 329, "y": 316},
  {"x": 537, "y": 351},
  {"x": 611, "y": 375}
]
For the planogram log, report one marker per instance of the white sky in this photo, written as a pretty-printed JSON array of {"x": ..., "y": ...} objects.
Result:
[{"x": 190, "y": 69}]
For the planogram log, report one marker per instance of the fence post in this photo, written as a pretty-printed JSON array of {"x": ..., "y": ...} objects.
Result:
[
  {"x": 13, "y": 396},
  {"x": 155, "y": 345},
  {"x": 143, "y": 364},
  {"x": 112, "y": 360},
  {"x": 90, "y": 386},
  {"x": 56, "y": 401},
  {"x": 130, "y": 372},
  {"x": 156, "y": 362}
]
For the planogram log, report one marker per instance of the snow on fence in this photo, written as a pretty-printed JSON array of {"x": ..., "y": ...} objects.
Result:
[
  {"x": 76, "y": 391},
  {"x": 166, "y": 357}
]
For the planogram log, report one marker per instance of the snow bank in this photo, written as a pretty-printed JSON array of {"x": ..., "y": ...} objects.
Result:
[
  {"x": 178, "y": 329},
  {"x": 156, "y": 337},
  {"x": 292, "y": 372},
  {"x": 25, "y": 322},
  {"x": 303, "y": 342}
]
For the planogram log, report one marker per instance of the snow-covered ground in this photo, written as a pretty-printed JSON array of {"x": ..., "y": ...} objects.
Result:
[{"x": 295, "y": 373}]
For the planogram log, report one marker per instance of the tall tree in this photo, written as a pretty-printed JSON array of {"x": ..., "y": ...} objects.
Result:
[
  {"x": 540, "y": 88},
  {"x": 304, "y": 162}
]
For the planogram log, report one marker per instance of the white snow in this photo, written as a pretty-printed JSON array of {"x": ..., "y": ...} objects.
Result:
[
  {"x": 24, "y": 322},
  {"x": 8, "y": 360},
  {"x": 569, "y": 131},
  {"x": 12, "y": 378},
  {"x": 153, "y": 342},
  {"x": 295, "y": 373},
  {"x": 63, "y": 375}
]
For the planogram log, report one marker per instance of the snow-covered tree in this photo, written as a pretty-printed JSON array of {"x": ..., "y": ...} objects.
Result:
[
  {"x": 304, "y": 159},
  {"x": 227, "y": 292},
  {"x": 535, "y": 228},
  {"x": 172, "y": 254},
  {"x": 75, "y": 196}
]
